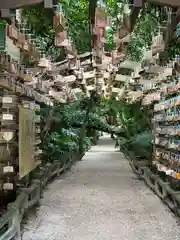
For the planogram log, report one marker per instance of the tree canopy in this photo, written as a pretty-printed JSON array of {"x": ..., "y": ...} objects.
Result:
[
  {"x": 151, "y": 20},
  {"x": 40, "y": 20}
]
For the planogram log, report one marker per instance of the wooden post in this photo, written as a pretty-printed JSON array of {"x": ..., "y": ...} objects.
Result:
[{"x": 98, "y": 35}]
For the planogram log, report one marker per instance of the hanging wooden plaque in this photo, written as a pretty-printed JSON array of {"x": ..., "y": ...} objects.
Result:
[
  {"x": 21, "y": 40},
  {"x": 61, "y": 39},
  {"x": 58, "y": 21},
  {"x": 12, "y": 50},
  {"x": 12, "y": 32},
  {"x": 100, "y": 18}
]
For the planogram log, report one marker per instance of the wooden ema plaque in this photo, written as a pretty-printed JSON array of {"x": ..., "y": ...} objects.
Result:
[
  {"x": 100, "y": 18},
  {"x": 20, "y": 42},
  {"x": 59, "y": 22},
  {"x": 61, "y": 39}
]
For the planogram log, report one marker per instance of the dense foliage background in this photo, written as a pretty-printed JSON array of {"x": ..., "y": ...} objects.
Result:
[{"x": 133, "y": 119}]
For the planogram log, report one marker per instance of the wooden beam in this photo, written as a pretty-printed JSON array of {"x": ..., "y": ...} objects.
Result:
[
  {"x": 171, "y": 3},
  {"x": 85, "y": 55},
  {"x": 10, "y": 4}
]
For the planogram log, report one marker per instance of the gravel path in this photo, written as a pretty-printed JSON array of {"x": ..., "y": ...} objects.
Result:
[{"x": 100, "y": 199}]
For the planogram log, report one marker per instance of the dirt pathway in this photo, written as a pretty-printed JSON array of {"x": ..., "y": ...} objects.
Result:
[{"x": 100, "y": 199}]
